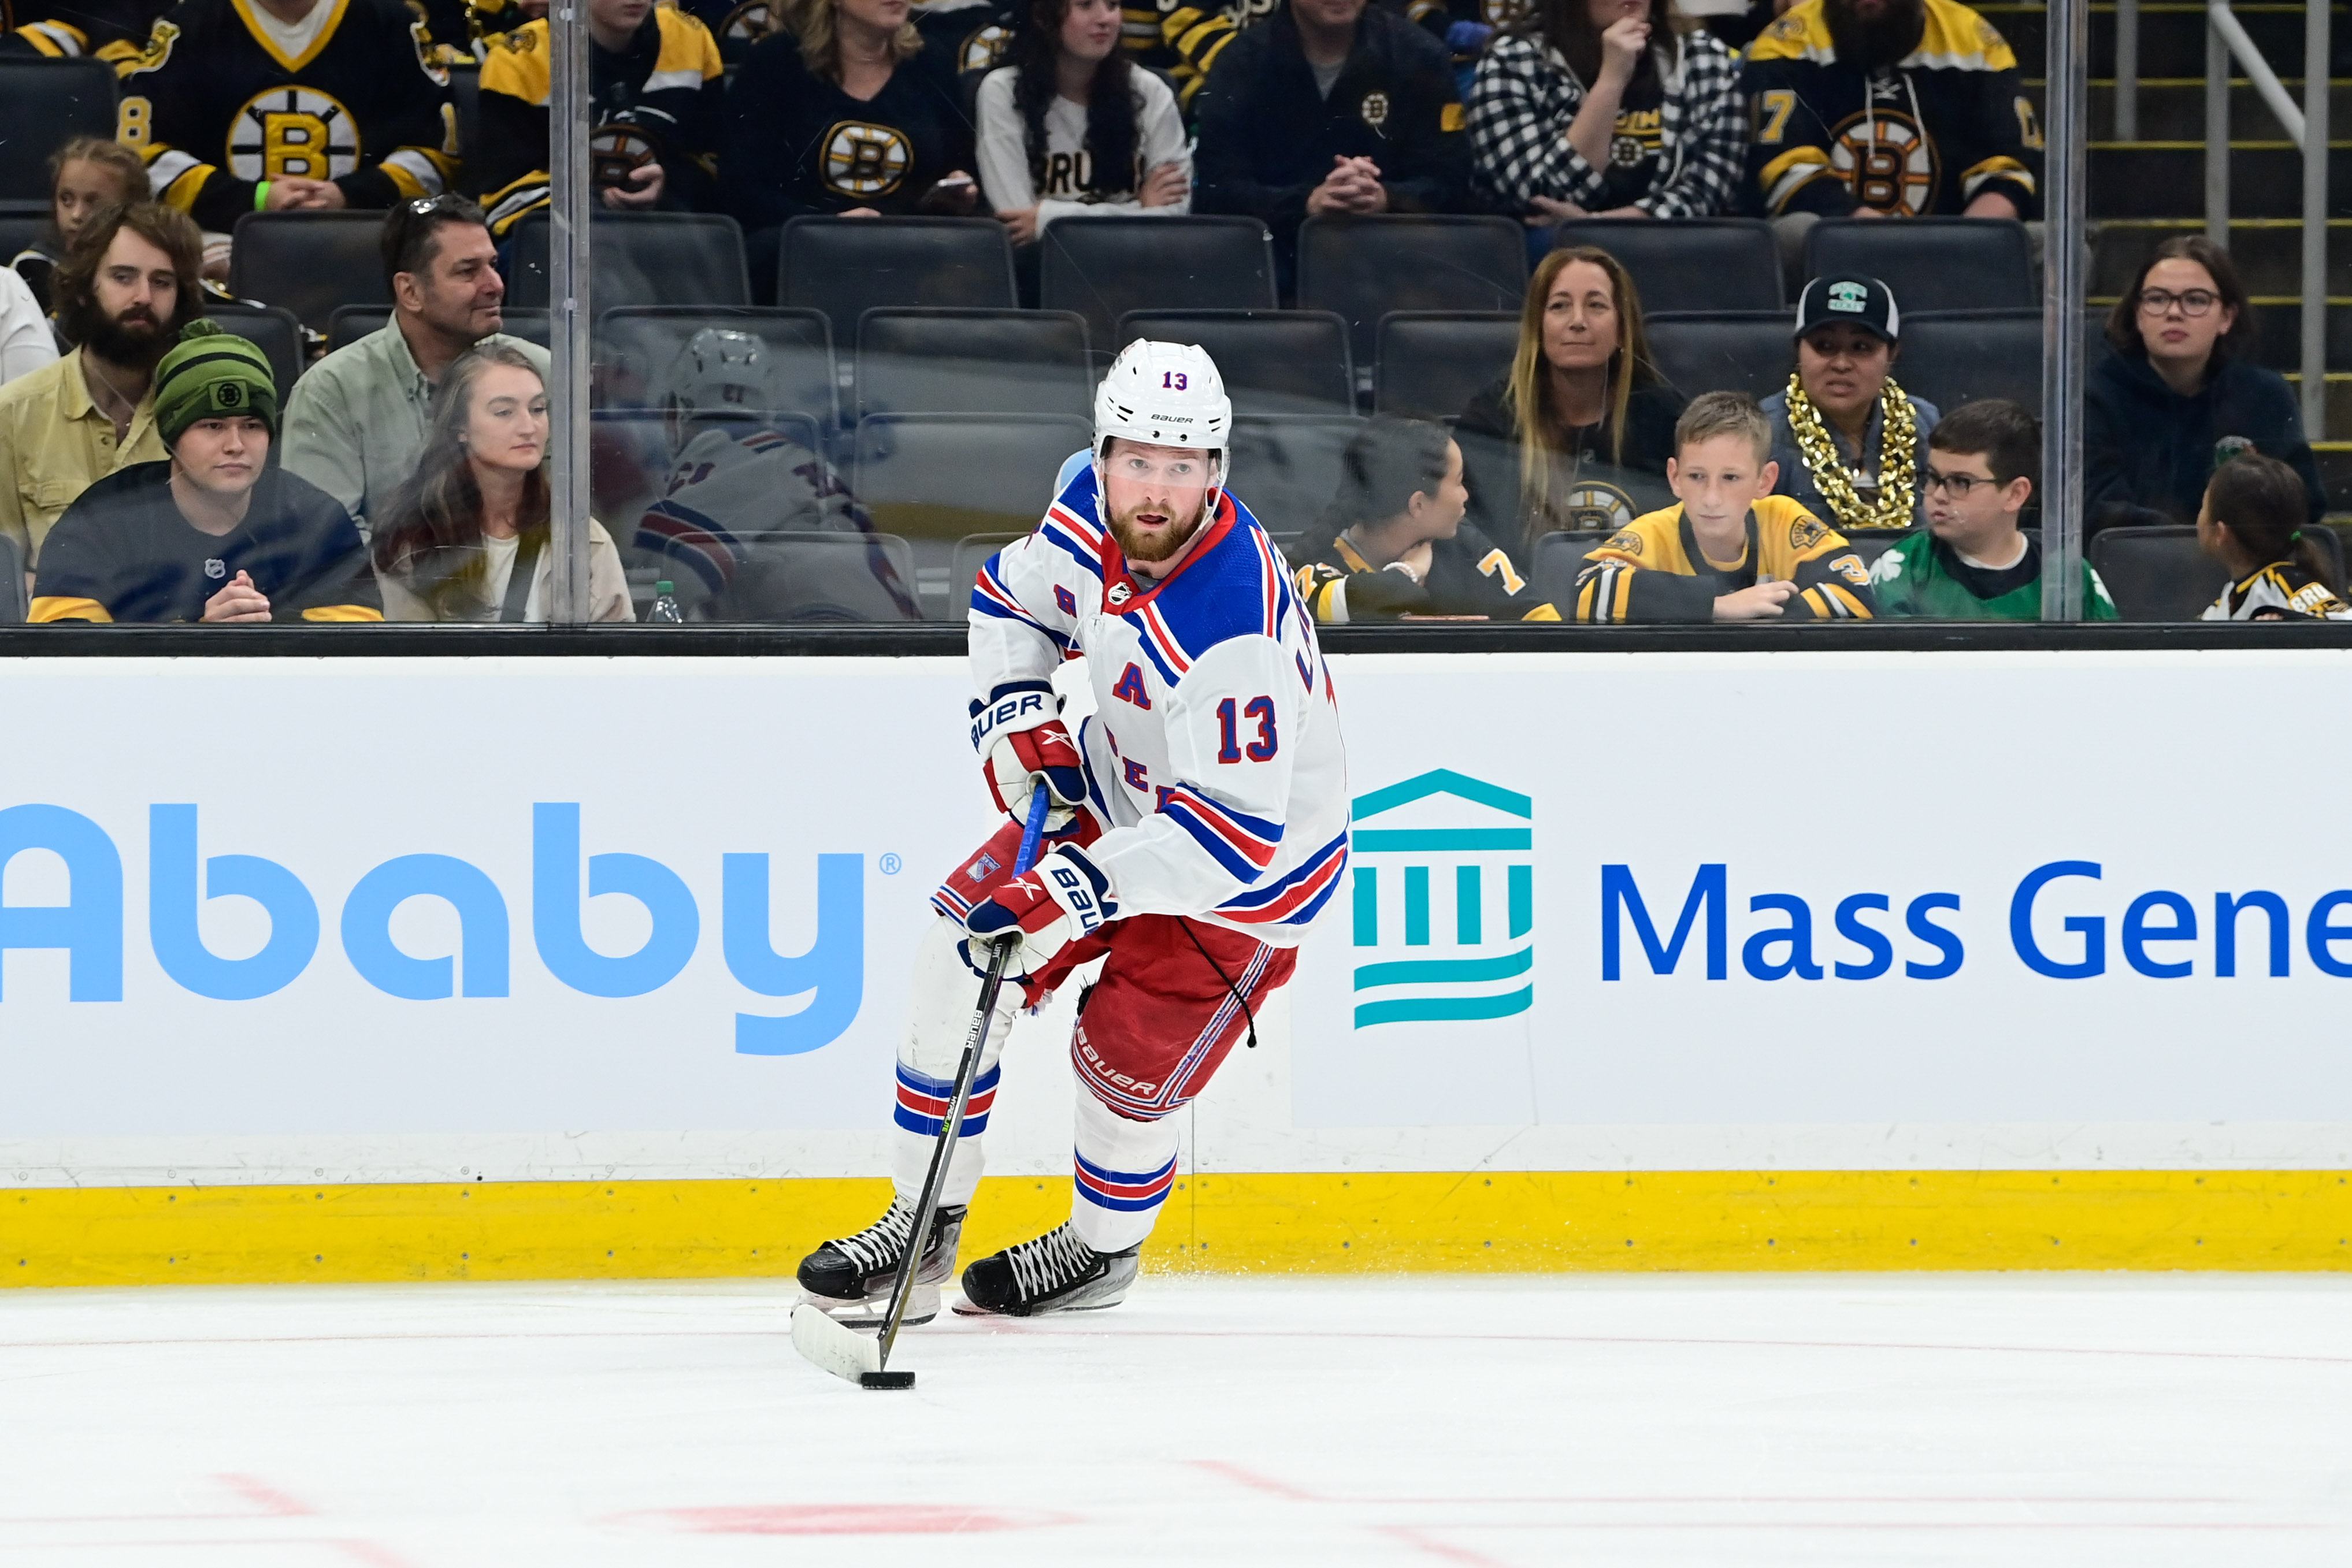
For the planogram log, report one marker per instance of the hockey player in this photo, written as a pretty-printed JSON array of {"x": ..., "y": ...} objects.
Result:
[
  {"x": 1732, "y": 550},
  {"x": 244, "y": 106},
  {"x": 1200, "y": 826}
]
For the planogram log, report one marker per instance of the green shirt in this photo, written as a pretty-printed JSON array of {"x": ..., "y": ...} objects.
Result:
[{"x": 1923, "y": 578}]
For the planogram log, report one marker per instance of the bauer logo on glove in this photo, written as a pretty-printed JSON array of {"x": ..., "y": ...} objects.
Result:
[
  {"x": 1022, "y": 743},
  {"x": 1065, "y": 898}
]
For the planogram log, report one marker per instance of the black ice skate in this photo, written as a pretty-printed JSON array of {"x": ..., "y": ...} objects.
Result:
[
  {"x": 849, "y": 1281},
  {"x": 1056, "y": 1273}
]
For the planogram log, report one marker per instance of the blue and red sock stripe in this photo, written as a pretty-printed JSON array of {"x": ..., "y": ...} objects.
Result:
[
  {"x": 1126, "y": 1191},
  {"x": 923, "y": 1102}
]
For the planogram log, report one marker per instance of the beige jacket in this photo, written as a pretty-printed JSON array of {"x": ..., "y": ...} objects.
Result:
[
  {"x": 55, "y": 444},
  {"x": 608, "y": 588}
]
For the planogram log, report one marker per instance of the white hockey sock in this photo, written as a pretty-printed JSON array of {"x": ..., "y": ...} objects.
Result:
[
  {"x": 1124, "y": 1170},
  {"x": 942, "y": 995}
]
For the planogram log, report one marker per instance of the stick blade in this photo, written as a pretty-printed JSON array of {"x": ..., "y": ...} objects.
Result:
[{"x": 842, "y": 1351}]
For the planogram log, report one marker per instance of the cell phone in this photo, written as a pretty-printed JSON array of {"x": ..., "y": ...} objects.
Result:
[{"x": 954, "y": 183}]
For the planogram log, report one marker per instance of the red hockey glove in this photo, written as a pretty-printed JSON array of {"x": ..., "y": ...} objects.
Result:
[
  {"x": 1022, "y": 742},
  {"x": 1063, "y": 897}
]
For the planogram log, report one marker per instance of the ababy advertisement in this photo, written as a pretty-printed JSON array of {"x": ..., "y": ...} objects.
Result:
[{"x": 1675, "y": 911}]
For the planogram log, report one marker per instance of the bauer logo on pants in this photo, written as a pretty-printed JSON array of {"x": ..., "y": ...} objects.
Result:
[{"x": 1445, "y": 891}]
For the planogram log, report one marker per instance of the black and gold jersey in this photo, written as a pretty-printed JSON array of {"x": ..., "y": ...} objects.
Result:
[
  {"x": 659, "y": 100},
  {"x": 1654, "y": 570},
  {"x": 968, "y": 35},
  {"x": 1940, "y": 127},
  {"x": 2282, "y": 590},
  {"x": 1184, "y": 39},
  {"x": 1469, "y": 574},
  {"x": 75, "y": 29},
  {"x": 225, "y": 98}
]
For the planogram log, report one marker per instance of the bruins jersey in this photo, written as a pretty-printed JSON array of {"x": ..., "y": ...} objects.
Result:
[
  {"x": 218, "y": 104},
  {"x": 658, "y": 101},
  {"x": 1942, "y": 126},
  {"x": 2282, "y": 590},
  {"x": 968, "y": 34},
  {"x": 1654, "y": 570},
  {"x": 74, "y": 29},
  {"x": 1183, "y": 39},
  {"x": 1469, "y": 574}
]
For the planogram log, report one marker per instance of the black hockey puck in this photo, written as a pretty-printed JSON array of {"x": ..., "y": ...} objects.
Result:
[{"x": 885, "y": 1380}]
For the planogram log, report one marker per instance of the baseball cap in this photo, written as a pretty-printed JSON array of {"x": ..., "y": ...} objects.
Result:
[{"x": 1858, "y": 301}]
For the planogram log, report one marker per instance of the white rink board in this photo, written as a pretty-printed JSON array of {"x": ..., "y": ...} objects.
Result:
[{"x": 1810, "y": 777}]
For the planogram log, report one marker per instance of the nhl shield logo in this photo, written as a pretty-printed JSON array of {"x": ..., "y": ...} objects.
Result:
[
  {"x": 216, "y": 570},
  {"x": 1375, "y": 110},
  {"x": 1120, "y": 594}
]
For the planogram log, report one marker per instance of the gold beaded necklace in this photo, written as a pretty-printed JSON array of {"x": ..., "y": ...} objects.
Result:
[{"x": 1898, "y": 455}]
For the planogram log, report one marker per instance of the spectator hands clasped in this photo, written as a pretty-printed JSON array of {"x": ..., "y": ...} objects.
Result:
[
  {"x": 238, "y": 603},
  {"x": 1354, "y": 185}
]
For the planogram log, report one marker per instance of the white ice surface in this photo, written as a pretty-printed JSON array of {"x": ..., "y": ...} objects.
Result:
[{"x": 1822, "y": 1420}]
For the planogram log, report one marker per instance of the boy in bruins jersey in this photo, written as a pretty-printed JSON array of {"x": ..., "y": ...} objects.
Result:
[
  {"x": 1906, "y": 107},
  {"x": 657, "y": 79},
  {"x": 1732, "y": 550},
  {"x": 243, "y": 105}
]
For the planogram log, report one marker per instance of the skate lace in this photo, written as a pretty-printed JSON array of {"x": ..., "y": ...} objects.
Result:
[
  {"x": 1050, "y": 1261},
  {"x": 882, "y": 1242}
]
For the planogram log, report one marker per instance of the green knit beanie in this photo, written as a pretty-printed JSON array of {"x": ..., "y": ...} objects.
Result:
[{"x": 211, "y": 373}]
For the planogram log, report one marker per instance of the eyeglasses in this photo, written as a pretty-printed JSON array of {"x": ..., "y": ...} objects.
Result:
[
  {"x": 1960, "y": 484},
  {"x": 2192, "y": 302}
]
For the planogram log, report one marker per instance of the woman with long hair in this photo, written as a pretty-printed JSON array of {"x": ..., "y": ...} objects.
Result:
[
  {"x": 1393, "y": 542},
  {"x": 1070, "y": 128},
  {"x": 2252, "y": 520},
  {"x": 1578, "y": 435},
  {"x": 2181, "y": 392},
  {"x": 1614, "y": 108},
  {"x": 468, "y": 538}
]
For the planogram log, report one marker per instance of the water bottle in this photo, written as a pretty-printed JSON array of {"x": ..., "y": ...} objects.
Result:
[{"x": 664, "y": 611}]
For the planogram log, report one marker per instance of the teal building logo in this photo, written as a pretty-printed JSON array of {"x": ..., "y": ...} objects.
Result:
[{"x": 1453, "y": 846}]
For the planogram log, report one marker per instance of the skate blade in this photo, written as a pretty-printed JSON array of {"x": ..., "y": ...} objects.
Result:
[
  {"x": 965, "y": 1309},
  {"x": 866, "y": 1316}
]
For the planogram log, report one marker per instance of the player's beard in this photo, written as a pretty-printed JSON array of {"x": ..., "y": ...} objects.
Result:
[
  {"x": 1874, "y": 42},
  {"x": 1150, "y": 548}
]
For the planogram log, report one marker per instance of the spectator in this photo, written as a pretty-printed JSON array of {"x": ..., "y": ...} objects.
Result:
[
  {"x": 357, "y": 420},
  {"x": 1973, "y": 563},
  {"x": 655, "y": 78},
  {"x": 289, "y": 105},
  {"x": 127, "y": 286},
  {"x": 733, "y": 477},
  {"x": 1607, "y": 109},
  {"x": 214, "y": 535},
  {"x": 1849, "y": 441},
  {"x": 1732, "y": 550},
  {"x": 468, "y": 539},
  {"x": 735, "y": 25},
  {"x": 842, "y": 113},
  {"x": 1579, "y": 434},
  {"x": 1393, "y": 542},
  {"x": 86, "y": 174},
  {"x": 25, "y": 343},
  {"x": 1071, "y": 130},
  {"x": 2252, "y": 521},
  {"x": 2180, "y": 393},
  {"x": 969, "y": 35},
  {"x": 1890, "y": 109},
  {"x": 109, "y": 30},
  {"x": 1329, "y": 106}
]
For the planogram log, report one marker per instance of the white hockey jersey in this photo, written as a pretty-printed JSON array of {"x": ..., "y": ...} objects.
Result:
[{"x": 1213, "y": 757}]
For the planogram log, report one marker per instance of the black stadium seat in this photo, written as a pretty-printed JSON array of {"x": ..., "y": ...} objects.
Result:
[
  {"x": 19, "y": 230},
  {"x": 1751, "y": 351},
  {"x": 971, "y": 553},
  {"x": 1691, "y": 264},
  {"x": 1931, "y": 264},
  {"x": 1950, "y": 358},
  {"x": 636, "y": 345},
  {"x": 938, "y": 478},
  {"x": 309, "y": 263},
  {"x": 1433, "y": 362},
  {"x": 847, "y": 267},
  {"x": 1369, "y": 267},
  {"x": 273, "y": 330},
  {"x": 1872, "y": 543},
  {"x": 1286, "y": 470},
  {"x": 639, "y": 258},
  {"x": 1273, "y": 361},
  {"x": 972, "y": 361},
  {"x": 1558, "y": 558},
  {"x": 1104, "y": 267},
  {"x": 44, "y": 104},
  {"x": 14, "y": 606},
  {"x": 2156, "y": 573},
  {"x": 350, "y": 323}
]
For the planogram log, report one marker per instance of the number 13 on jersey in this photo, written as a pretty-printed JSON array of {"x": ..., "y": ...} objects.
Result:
[{"x": 1229, "y": 747}]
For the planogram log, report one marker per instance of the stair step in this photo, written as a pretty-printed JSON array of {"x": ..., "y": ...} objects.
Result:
[
  {"x": 2166, "y": 179},
  {"x": 2339, "y": 406},
  {"x": 2171, "y": 36},
  {"x": 2174, "y": 107},
  {"x": 2268, "y": 251}
]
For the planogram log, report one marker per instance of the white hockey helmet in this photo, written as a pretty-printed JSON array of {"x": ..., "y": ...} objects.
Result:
[
  {"x": 721, "y": 373},
  {"x": 1169, "y": 394}
]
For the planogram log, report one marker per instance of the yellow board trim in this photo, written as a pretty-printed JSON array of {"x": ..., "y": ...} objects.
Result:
[{"x": 1360, "y": 1223}]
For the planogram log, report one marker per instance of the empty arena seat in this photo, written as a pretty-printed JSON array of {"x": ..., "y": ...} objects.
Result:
[
  {"x": 1931, "y": 264},
  {"x": 971, "y": 553},
  {"x": 311, "y": 263},
  {"x": 1104, "y": 267},
  {"x": 1691, "y": 264},
  {"x": 19, "y": 229},
  {"x": 1558, "y": 558},
  {"x": 350, "y": 323},
  {"x": 938, "y": 360},
  {"x": 13, "y": 604},
  {"x": 1950, "y": 358},
  {"x": 1273, "y": 361},
  {"x": 1433, "y": 362},
  {"x": 275, "y": 332},
  {"x": 1368, "y": 267},
  {"x": 847, "y": 267},
  {"x": 1286, "y": 469},
  {"x": 944, "y": 476},
  {"x": 1751, "y": 351},
  {"x": 639, "y": 258},
  {"x": 2156, "y": 573},
  {"x": 636, "y": 345},
  {"x": 44, "y": 104},
  {"x": 802, "y": 579}
]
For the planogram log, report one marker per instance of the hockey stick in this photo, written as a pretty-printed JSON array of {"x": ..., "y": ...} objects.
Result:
[{"x": 836, "y": 1348}]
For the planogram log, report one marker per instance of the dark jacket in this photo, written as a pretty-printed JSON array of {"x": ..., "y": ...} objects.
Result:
[
  {"x": 797, "y": 143},
  {"x": 2147, "y": 451},
  {"x": 1604, "y": 495},
  {"x": 1267, "y": 137}
]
